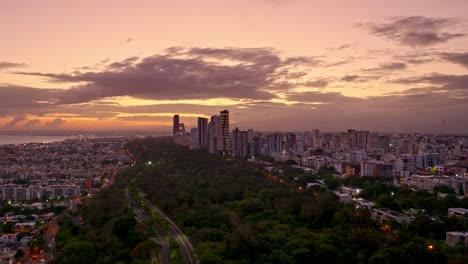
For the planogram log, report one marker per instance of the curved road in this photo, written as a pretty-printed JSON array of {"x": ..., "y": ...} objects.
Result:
[
  {"x": 164, "y": 254},
  {"x": 185, "y": 244}
]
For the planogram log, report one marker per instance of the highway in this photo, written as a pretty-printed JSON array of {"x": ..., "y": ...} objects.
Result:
[
  {"x": 49, "y": 238},
  {"x": 185, "y": 244},
  {"x": 142, "y": 216},
  {"x": 186, "y": 247}
]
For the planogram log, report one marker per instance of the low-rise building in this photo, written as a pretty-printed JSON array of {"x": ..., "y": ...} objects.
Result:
[
  {"x": 458, "y": 212},
  {"x": 455, "y": 237},
  {"x": 381, "y": 214},
  {"x": 363, "y": 203}
]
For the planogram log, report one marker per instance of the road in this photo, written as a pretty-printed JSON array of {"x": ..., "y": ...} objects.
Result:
[
  {"x": 185, "y": 244},
  {"x": 163, "y": 240},
  {"x": 49, "y": 238},
  {"x": 186, "y": 247}
]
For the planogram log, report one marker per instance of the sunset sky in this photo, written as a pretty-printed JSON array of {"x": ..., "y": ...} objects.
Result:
[{"x": 398, "y": 65}]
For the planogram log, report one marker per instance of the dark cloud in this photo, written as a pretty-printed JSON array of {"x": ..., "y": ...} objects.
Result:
[
  {"x": 416, "y": 31},
  {"x": 350, "y": 78},
  {"x": 321, "y": 97},
  {"x": 57, "y": 122},
  {"x": 86, "y": 68},
  {"x": 310, "y": 61},
  {"x": 7, "y": 65},
  {"x": 346, "y": 46},
  {"x": 149, "y": 118},
  {"x": 185, "y": 74},
  {"x": 393, "y": 66},
  {"x": 457, "y": 57},
  {"x": 249, "y": 77},
  {"x": 447, "y": 82},
  {"x": 32, "y": 123},
  {"x": 123, "y": 64},
  {"x": 20, "y": 99},
  {"x": 416, "y": 56},
  {"x": 129, "y": 40},
  {"x": 17, "y": 119},
  {"x": 322, "y": 83},
  {"x": 336, "y": 112},
  {"x": 338, "y": 63},
  {"x": 359, "y": 78}
]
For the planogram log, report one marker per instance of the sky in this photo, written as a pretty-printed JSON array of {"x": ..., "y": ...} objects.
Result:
[{"x": 276, "y": 65}]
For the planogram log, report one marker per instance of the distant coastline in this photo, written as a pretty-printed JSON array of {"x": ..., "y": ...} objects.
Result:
[{"x": 22, "y": 139}]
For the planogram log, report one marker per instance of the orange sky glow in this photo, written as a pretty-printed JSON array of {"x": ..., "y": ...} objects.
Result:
[{"x": 275, "y": 64}]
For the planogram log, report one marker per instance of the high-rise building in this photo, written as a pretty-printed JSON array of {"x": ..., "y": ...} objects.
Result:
[
  {"x": 202, "y": 132},
  {"x": 175, "y": 127},
  {"x": 275, "y": 143},
  {"x": 256, "y": 149},
  {"x": 315, "y": 138},
  {"x": 289, "y": 141},
  {"x": 239, "y": 143},
  {"x": 406, "y": 146},
  {"x": 182, "y": 127},
  {"x": 251, "y": 134},
  {"x": 384, "y": 143},
  {"x": 244, "y": 143},
  {"x": 194, "y": 138},
  {"x": 344, "y": 140},
  {"x": 213, "y": 134},
  {"x": 224, "y": 142},
  {"x": 184, "y": 139},
  {"x": 352, "y": 135},
  {"x": 363, "y": 139},
  {"x": 236, "y": 143}
]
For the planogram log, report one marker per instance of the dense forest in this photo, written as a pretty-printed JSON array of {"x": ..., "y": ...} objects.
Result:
[
  {"x": 104, "y": 230},
  {"x": 234, "y": 212}
]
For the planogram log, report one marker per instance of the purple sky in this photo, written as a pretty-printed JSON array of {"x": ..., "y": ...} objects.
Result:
[{"x": 275, "y": 64}]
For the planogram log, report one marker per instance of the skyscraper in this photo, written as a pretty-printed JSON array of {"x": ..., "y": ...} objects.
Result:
[
  {"x": 194, "y": 138},
  {"x": 175, "y": 127},
  {"x": 182, "y": 127},
  {"x": 239, "y": 143},
  {"x": 256, "y": 147},
  {"x": 213, "y": 134},
  {"x": 352, "y": 135},
  {"x": 275, "y": 143},
  {"x": 363, "y": 139},
  {"x": 315, "y": 138},
  {"x": 244, "y": 143},
  {"x": 224, "y": 142},
  {"x": 236, "y": 143},
  {"x": 202, "y": 132},
  {"x": 384, "y": 143}
]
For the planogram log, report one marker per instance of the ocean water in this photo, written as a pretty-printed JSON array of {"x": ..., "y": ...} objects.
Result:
[{"x": 21, "y": 139}]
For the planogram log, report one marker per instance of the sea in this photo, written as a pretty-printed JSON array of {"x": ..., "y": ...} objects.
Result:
[{"x": 21, "y": 139}]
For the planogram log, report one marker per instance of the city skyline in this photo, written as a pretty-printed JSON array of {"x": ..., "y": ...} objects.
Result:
[{"x": 275, "y": 65}]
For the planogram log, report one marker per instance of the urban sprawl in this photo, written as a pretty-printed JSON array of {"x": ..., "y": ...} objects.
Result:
[
  {"x": 38, "y": 180},
  {"x": 415, "y": 161}
]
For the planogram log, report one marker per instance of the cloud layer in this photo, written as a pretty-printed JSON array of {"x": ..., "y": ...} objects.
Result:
[
  {"x": 416, "y": 31},
  {"x": 7, "y": 65},
  {"x": 261, "y": 87},
  {"x": 196, "y": 73}
]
